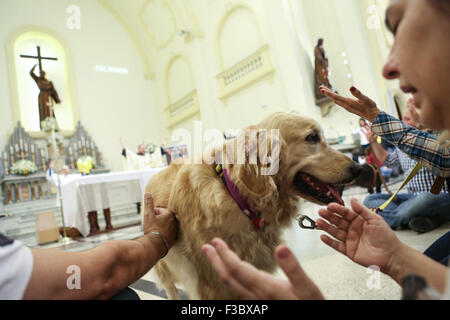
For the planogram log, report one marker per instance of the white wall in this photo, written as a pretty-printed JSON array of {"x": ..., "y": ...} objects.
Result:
[
  {"x": 110, "y": 105},
  {"x": 131, "y": 105},
  {"x": 291, "y": 29}
]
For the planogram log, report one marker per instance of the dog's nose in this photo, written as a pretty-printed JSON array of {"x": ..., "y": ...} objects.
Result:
[{"x": 356, "y": 169}]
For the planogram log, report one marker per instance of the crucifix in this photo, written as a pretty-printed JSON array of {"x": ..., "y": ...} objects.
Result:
[
  {"x": 39, "y": 58},
  {"x": 47, "y": 92}
]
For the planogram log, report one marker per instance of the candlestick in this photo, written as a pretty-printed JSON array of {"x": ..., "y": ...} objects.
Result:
[
  {"x": 100, "y": 159},
  {"x": 5, "y": 162},
  {"x": 72, "y": 165},
  {"x": 44, "y": 166}
]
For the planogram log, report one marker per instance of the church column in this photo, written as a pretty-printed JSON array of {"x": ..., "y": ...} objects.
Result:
[
  {"x": 352, "y": 25},
  {"x": 290, "y": 57}
]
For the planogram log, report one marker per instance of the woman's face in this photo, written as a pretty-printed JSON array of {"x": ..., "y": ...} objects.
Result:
[{"x": 420, "y": 57}]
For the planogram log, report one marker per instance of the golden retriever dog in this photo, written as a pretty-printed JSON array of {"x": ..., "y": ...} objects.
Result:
[{"x": 307, "y": 167}]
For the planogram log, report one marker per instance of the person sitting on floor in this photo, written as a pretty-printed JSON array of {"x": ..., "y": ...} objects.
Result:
[{"x": 418, "y": 209}]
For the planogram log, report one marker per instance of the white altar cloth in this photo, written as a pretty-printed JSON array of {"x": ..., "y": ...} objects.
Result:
[{"x": 101, "y": 191}]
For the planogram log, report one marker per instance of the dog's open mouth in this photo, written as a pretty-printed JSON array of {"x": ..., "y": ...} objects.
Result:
[{"x": 313, "y": 187}]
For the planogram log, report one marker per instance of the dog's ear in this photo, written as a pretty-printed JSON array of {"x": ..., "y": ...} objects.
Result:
[
  {"x": 260, "y": 190},
  {"x": 254, "y": 177}
]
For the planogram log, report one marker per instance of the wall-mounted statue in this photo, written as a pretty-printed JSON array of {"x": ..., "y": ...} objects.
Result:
[
  {"x": 321, "y": 70},
  {"x": 321, "y": 78}
]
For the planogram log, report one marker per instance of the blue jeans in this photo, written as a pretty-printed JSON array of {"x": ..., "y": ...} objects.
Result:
[
  {"x": 398, "y": 213},
  {"x": 440, "y": 249}
]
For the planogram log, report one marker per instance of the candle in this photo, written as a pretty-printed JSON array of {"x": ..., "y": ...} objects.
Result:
[
  {"x": 5, "y": 155},
  {"x": 26, "y": 148},
  {"x": 17, "y": 147},
  {"x": 32, "y": 148},
  {"x": 11, "y": 149},
  {"x": 70, "y": 150}
]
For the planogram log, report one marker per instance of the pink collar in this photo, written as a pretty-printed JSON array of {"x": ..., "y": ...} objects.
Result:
[{"x": 242, "y": 202}]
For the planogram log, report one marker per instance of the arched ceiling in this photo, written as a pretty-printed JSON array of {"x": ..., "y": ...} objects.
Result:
[{"x": 152, "y": 24}]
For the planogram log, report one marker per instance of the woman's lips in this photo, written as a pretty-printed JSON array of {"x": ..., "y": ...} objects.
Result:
[
  {"x": 408, "y": 89},
  {"x": 415, "y": 94}
]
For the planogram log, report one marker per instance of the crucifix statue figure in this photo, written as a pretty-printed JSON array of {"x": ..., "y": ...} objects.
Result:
[{"x": 47, "y": 93}]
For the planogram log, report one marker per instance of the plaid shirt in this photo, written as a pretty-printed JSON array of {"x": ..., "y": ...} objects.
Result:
[
  {"x": 420, "y": 146},
  {"x": 424, "y": 179}
]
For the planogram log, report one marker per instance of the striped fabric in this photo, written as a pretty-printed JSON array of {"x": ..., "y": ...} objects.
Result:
[
  {"x": 420, "y": 146},
  {"x": 422, "y": 182}
]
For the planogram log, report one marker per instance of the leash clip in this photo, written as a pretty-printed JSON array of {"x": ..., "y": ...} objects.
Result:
[{"x": 312, "y": 224}]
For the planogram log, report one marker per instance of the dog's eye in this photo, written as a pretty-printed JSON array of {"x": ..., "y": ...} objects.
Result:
[{"x": 313, "y": 138}]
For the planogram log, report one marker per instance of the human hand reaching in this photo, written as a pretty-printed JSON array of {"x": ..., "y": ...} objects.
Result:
[
  {"x": 360, "y": 234},
  {"x": 361, "y": 106},
  {"x": 249, "y": 283}
]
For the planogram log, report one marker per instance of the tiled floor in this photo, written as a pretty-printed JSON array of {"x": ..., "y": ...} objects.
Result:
[{"x": 337, "y": 277}]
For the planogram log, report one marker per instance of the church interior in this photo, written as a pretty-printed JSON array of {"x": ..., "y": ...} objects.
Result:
[{"x": 86, "y": 84}]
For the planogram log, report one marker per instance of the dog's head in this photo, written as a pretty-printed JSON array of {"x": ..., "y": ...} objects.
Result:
[
  {"x": 308, "y": 164},
  {"x": 299, "y": 162}
]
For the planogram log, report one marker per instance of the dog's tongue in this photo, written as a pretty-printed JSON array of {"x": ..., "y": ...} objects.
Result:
[{"x": 335, "y": 195}]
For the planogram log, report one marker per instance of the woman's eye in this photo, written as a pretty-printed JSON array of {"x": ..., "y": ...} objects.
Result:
[{"x": 313, "y": 138}]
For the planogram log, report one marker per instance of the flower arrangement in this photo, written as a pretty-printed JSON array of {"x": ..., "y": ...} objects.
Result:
[
  {"x": 48, "y": 125},
  {"x": 149, "y": 146},
  {"x": 23, "y": 168},
  {"x": 85, "y": 164}
]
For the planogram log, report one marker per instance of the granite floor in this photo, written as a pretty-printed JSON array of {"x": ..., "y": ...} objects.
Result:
[{"x": 336, "y": 276}]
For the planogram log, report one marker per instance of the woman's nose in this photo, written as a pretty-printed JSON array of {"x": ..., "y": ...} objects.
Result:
[{"x": 390, "y": 69}]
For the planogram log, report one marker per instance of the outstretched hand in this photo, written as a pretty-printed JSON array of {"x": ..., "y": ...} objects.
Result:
[
  {"x": 249, "y": 283},
  {"x": 361, "y": 106},
  {"x": 360, "y": 234}
]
